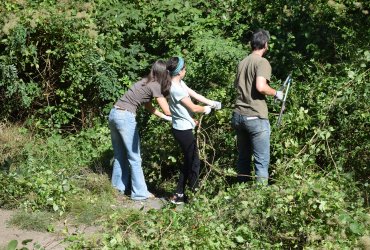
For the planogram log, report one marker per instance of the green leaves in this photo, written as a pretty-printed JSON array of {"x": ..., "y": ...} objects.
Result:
[
  {"x": 12, "y": 245},
  {"x": 44, "y": 173},
  {"x": 73, "y": 66},
  {"x": 310, "y": 212},
  {"x": 63, "y": 64}
]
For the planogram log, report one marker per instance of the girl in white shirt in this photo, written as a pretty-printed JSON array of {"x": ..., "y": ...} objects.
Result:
[{"x": 182, "y": 109}]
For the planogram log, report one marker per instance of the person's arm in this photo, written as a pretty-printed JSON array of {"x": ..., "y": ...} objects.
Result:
[
  {"x": 187, "y": 102},
  {"x": 199, "y": 97},
  {"x": 263, "y": 87},
  {"x": 162, "y": 101},
  {"x": 149, "y": 106}
]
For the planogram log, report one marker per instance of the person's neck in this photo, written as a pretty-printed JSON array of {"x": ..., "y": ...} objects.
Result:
[
  {"x": 259, "y": 52},
  {"x": 176, "y": 79}
]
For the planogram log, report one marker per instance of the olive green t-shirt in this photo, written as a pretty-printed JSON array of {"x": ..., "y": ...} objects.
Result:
[{"x": 249, "y": 101}]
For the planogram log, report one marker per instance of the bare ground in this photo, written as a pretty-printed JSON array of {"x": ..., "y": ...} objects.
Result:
[
  {"x": 8, "y": 233},
  {"x": 55, "y": 241}
]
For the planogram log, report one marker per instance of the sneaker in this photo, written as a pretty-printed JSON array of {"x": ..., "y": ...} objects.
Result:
[{"x": 178, "y": 199}]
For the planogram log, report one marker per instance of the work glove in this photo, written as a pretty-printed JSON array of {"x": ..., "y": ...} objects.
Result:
[
  {"x": 166, "y": 117},
  {"x": 216, "y": 105},
  {"x": 207, "y": 110},
  {"x": 279, "y": 95}
]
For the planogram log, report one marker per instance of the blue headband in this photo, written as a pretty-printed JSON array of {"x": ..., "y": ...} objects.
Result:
[{"x": 179, "y": 67}]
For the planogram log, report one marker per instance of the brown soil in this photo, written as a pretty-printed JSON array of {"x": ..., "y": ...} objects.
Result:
[
  {"x": 55, "y": 240},
  {"x": 8, "y": 233}
]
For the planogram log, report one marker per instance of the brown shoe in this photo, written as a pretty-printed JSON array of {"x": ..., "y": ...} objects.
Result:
[
  {"x": 121, "y": 197},
  {"x": 151, "y": 196}
]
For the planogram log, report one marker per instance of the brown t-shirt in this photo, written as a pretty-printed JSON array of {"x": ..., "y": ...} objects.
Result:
[
  {"x": 139, "y": 93},
  {"x": 249, "y": 101}
]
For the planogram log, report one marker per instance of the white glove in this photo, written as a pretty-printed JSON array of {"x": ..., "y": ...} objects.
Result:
[
  {"x": 166, "y": 117},
  {"x": 279, "y": 95},
  {"x": 207, "y": 110},
  {"x": 216, "y": 105}
]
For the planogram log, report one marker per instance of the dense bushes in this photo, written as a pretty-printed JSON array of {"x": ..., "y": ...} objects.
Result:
[
  {"x": 54, "y": 72},
  {"x": 63, "y": 63}
]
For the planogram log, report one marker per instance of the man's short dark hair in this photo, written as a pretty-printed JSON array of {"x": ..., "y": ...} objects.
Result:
[{"x": 259, "y": 39}]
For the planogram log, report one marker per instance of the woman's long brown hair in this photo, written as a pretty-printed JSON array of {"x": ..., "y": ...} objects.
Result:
[{"x": 159, "y": 73}]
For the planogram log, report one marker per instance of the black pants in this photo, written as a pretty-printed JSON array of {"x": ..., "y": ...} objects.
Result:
[{"x": 189, "y": 172}]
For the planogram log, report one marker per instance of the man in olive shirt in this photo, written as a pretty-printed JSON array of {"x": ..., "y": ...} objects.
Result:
[{"x": 250, "y": 117}]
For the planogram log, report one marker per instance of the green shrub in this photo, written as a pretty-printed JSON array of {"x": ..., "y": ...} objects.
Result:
[
  {"x": 44, "y": 174},
  {"x": 301, "y": 211},
  {"x": 63, "y": 64}
]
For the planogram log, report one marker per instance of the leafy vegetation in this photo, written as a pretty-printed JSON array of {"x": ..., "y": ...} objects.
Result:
[
  {"x": 279, "y": 216},
  {"x": 63, "y": 64}
]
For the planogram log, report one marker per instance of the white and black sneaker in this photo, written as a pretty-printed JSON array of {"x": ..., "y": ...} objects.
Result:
[{"x": 178, "y": 199}]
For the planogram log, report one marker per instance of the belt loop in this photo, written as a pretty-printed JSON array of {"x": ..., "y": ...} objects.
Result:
[{"x": 118, "y": 107}]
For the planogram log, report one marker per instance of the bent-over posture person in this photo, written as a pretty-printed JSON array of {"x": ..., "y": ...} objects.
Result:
[{"x": 124, "y": 130}]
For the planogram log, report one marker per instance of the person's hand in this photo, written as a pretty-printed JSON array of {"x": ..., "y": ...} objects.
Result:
[
  {"x": 166, "y": 117},
  {"x": 216, "y": 105},
  {"x": 207, "y": 110},
  {"x": 279, "y": 95}
]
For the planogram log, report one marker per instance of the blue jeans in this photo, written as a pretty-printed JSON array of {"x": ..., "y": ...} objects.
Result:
[
  {"x": 126, "y": 147},
  {"x": 253, "y": 138}
]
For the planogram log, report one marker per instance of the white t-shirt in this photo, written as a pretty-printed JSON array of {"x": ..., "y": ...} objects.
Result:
[{"x": 182, "y": 118}]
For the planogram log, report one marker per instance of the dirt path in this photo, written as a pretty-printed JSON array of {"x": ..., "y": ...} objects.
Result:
[
  {"x": 8, "y": 233},
  {"x": 54, "y": 241},
  {"x": 156, "y": 203}
]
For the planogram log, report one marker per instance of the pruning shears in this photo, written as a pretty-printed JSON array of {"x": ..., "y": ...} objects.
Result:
[{"x": 286, "y": 86}]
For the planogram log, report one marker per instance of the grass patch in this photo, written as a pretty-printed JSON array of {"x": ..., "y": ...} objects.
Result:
[
  {"x": 91, "y": 209},
  {"x": 94, "y": 199},
  {"x": 95, "y": 183},
  {"x": 36, "y": 221},
  {"x": 12, "y": 140}
]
